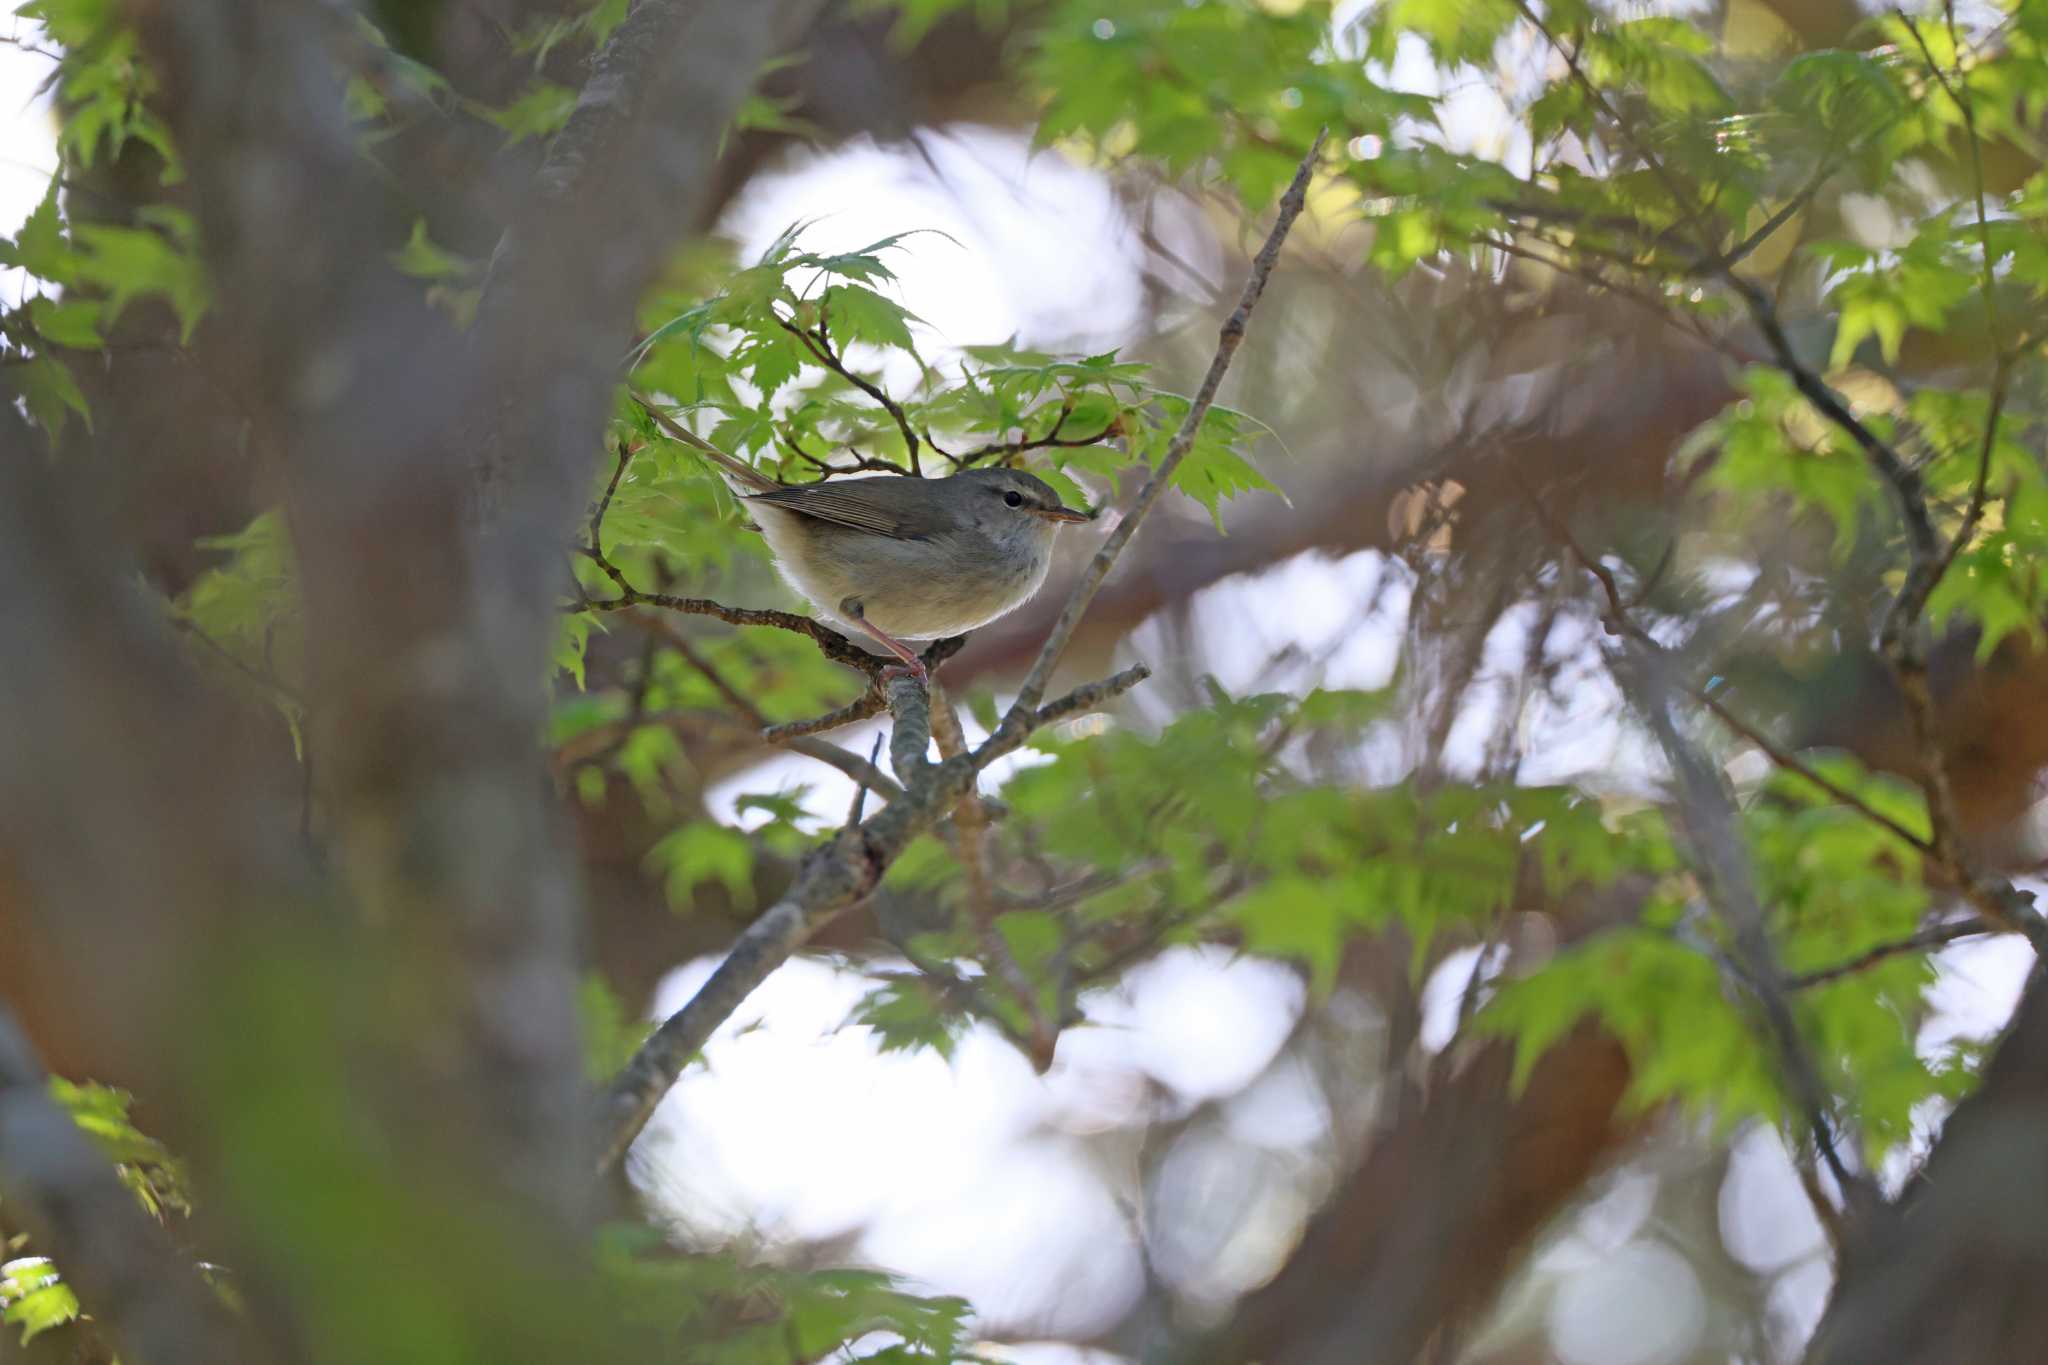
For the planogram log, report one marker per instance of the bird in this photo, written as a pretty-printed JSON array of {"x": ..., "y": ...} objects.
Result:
[{"x": 897, "y": 557}]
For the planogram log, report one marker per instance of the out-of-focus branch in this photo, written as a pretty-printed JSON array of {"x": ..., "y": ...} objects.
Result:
[
  {"x": 1707, "y": 819},
  {"x": 1619, "y": 620},
  {"x": 1421, "y": 1236},
  {"x": 1902, "y": 635}
]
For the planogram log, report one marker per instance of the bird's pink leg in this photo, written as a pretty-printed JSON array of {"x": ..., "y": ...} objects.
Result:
[{"x": 851, "y": 609}]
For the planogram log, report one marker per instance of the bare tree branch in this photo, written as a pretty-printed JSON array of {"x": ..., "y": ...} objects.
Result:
[
  {"x": 866, "y": 706},
  {"x": 831, "y": 643},
  {"x": 1422, "y": 1235},
  {"x": 1619, "y": 621}
]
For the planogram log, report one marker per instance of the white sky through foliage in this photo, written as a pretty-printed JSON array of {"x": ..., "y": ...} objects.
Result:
[{"x": 28, "y": 135}]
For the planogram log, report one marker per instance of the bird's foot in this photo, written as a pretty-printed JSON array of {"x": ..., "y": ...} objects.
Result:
[{"x": 914, "y": 668}]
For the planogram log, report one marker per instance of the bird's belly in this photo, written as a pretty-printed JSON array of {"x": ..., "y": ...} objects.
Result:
[
  {"x": 926, "y": 611},
  {"x": 911, "y": 589}
]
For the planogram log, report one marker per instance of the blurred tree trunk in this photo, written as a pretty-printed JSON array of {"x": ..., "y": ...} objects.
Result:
[{"x": 397, "y": 1028}]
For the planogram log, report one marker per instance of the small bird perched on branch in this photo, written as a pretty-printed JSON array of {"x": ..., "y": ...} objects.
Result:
[{"x": 901, "y": 558}]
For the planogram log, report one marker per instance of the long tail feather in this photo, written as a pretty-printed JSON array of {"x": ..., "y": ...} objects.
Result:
[{"x": 749, "y": 479}]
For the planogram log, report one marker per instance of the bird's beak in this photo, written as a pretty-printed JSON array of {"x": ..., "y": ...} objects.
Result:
[{"x": 1062, "y": 514}]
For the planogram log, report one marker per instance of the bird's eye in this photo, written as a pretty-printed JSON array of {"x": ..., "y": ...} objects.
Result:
[{"x": 1013, "y": 499}]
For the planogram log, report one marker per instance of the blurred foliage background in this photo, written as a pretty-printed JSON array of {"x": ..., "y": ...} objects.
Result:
[{"x": 1563, "y": 894}]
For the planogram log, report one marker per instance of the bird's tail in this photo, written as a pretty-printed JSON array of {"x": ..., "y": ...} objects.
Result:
[{"x": 743, "y": 476}]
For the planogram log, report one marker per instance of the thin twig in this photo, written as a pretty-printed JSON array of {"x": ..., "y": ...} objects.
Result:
[
  {"x": 860, "y": 793},
  {"x": 866, "y": 706},
  {"x": 863, "y": 772},
  {"x": 1021, "y": 711},
  {"x": 1086, "y": 697},
  {"x": 1924, "y": 941},
  {"x": 604, "y": 504},
  {"x": 2002, "y": 366},
  {"x": 861, "y": 464},
  {"x": 819, "y": 343},
  {"x": 1791, "y": 763},
  {"x": 1051, "y": 440},
  {"x": 1829, "y": 166},
  {"x": 1468, "y": 999},
  {"x": 1973, "y": 513},
  {"x": 831, "y": 643}
]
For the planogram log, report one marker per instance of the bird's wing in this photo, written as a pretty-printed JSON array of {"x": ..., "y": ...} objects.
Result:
[{"x": 885, "y": 505}]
